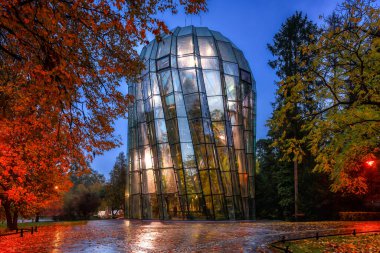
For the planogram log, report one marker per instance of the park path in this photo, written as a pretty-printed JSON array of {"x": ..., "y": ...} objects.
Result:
[{"x": 108, "y": 236}]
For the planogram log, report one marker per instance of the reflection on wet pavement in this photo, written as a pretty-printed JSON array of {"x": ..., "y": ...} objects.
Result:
[{"x": 178, "y": 236}]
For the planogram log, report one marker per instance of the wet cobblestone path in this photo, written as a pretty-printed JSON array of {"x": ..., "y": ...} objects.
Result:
[{"x": 174, "y": 236}]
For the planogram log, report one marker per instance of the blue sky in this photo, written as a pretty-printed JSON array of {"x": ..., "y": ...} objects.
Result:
[{"x": 250, "y": 24}]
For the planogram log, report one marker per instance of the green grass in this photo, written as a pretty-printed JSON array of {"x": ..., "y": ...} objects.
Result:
[
  {"x": 3, "y": 226},
  {"x": 360, "y": 243}
]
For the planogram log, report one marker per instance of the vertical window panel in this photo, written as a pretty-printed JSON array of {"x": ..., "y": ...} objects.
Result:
[
  {"x": 185, "y": 45},
  {"x": 164, "y": 47},
  {"x": 225, "y": 50},
  {"x": 212, "y": 82},
  {"x": 215, "y": 105},
  {"x": 189, "y": 81},
  {"x": 207, "y": 46}
]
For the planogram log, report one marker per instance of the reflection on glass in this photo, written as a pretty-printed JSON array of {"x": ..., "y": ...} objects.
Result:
[
  {"x": 184, "y": 130},
  {"x": 231, "y": 68},
  {"x": 189, "y": 81},
  {"x": 164, "y": 47},
  {"x": 163, "y": 63},
  {"x": 185, "y": 45},
  {"x": 210, "y": 63},
  {"x": 161, "y": 133},
  {"x": 164, "y": 156},
  {"x": 215, "y": 104},
  {"x": 166, "y": 82},
  {"x": 187, "y": 62},
  {"x": 206, "y": 46},
  {"x": 226, "y": 52},
  {"x": 188, "y": 157},
  {"x": 212, "y": 82}
]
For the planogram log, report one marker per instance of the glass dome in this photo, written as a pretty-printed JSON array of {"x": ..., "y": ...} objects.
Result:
[{"x": 191, "y": 130}]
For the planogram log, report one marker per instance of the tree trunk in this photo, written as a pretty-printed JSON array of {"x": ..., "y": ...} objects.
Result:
[
  {"x": 295, "y": 165},
  {"x": 11, "y": 220},
  {"x": 37, "y": 217}
]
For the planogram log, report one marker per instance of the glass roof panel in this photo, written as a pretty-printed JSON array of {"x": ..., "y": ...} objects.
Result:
[
  {"x": 207, "y": 46},
  {"x": 185, "y": 45}
]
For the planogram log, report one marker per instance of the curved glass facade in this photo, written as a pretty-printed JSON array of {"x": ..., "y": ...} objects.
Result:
[{"x": 191, "y": 130}]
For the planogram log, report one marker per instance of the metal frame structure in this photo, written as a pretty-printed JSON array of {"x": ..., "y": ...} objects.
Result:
[{"x": 191, "y": 130}]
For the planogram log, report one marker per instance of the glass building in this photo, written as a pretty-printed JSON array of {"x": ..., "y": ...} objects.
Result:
[{"x": 191, "y": 130}]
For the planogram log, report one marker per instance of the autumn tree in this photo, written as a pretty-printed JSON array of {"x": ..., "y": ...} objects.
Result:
[
  {"x": 286, "y": 123},
  {"x": 61, "y": 66},
  {"x": 343, "y": 130},
  {"x": 115, "y": 191}
]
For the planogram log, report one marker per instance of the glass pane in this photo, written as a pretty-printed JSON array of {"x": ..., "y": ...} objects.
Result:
[
  {"x": 215, "y": 104},
  {"x": 192, "y": 181},
  {"x": 138, "y": 91},
  {"x": 163, "y": 63},
  {"x": 157, "y": 101},
  {"x": 219, "y": 133},
  {"x": 241, "y": 60},
  {"x": 164, "y": 156},
  {"x": 184, "y": 130},
  {"x": 237, "y": 133},
  {"x": 185, "y": 30},
  {"x": 226, "y": 51},
  {"x": 224, "y": 159},
  {"x": 212, "y": 82},
  {"x": 161, "y": 134},
  {"x": 172, "y": 127},
  {"x": 210, "y": 63},
  {"x": 197, "y": 131},
  {"x": 231, "y": 68},
  {"x": 164, "y": 47},
  {"x": 202, "y": 31},
  {"x": 148, "y": 159},
  {"x": 135, "y": 182},
  {"x": 245, "y": 76},
  {"x": 187, "y": 62},
  {"x": 176, "y": 156},
  {"x": 211, "y": 156},
  {"x": 205, "y": 180},
  {"x": 201, "y": 155},
  {"x": 176, "y": 83},
  {"x": 180, "y": 106},
  {"x": 185, "y": 45},
  {"x": 155, "y": 88},
  {"x": 240, "y": 161},
  {"x": 148, "y": 182},
  {"x": 188, "y": 157},
  {"x": 207, "y": 46},
  {"x": 166, "y": 82},
  {"x": 232, "y": 87},
  {"x": 168, "y": 181},
  {"x": 189, "y": 81},
  {"x": 226, "y": 178},
  {"x": 169, "y": 106},
  {"x": 207, "y": 131},
  {"x": 215, "y": 182},
  {"x": 193, "y": 106}
]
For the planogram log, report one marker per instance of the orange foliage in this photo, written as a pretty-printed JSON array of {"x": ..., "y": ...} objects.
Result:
[{"x": 61, "y": 66}]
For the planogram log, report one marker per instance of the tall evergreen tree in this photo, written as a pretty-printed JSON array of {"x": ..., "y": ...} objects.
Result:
[
  {"x": 287, "y": 120},
  {"x": 116, "y": 187}
]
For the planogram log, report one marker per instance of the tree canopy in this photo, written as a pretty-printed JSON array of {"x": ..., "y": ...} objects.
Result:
[{"x": 61, "y": 66}]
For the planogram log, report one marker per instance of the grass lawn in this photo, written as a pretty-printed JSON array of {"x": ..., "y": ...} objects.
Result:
[
  {"x": 3, "y": 226},
  {"x": 359, "y": 243}
]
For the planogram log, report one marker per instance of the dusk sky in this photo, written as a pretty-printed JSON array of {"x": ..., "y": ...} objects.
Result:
[{"x": 250, "y": 24}]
